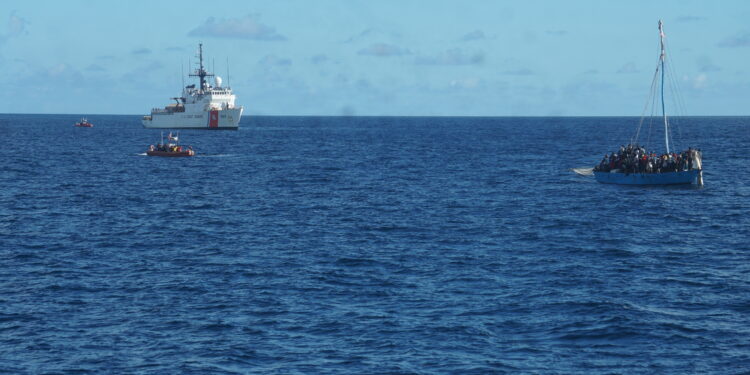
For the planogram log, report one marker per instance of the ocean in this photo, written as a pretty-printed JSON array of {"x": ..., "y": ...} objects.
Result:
[{"x": 369, "y": 245}]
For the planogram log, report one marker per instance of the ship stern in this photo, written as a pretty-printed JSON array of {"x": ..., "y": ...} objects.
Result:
[{"x": 146, "y": 121}]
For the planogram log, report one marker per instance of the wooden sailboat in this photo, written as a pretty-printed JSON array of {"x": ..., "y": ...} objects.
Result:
[{"x": 633, "y": 165}]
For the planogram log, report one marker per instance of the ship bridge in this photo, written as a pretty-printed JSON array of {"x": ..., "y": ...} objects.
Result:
[{"x": 211, "y": 98}]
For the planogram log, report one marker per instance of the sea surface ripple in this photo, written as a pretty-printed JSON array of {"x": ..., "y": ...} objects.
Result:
[{"x": 387, "y": 245}]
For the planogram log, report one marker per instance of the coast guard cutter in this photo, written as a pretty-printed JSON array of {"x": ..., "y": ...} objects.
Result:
[{"x": 202, "y": 107}]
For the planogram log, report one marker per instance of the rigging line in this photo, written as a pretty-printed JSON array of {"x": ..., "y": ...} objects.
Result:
[
  {"x": 680, "y": 109},
  {"x": 678, "y": 96},
  {"x": 645, "y": 107},
  {"x": 652, "y": 116},
  {"x": 653, "y": 108},
  {"x": 679, "y": 100},
  {"x": 673, "y": 104},
  {"x": 676, "y": 82},
  {"x": 651, "y": 119}
]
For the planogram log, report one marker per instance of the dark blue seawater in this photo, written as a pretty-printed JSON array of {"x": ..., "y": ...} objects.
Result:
[{"x": 368, "y": 245}]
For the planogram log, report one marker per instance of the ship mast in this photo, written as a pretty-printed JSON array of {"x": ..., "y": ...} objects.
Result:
[
  {"x": 201, "y": 73},
  {"x": 663, "y": 111}
]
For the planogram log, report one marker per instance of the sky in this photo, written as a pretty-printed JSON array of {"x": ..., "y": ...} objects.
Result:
[{"x": 385, "y": 57}]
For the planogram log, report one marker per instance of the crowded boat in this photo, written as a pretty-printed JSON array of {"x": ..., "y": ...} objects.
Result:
[
  {"x": 634, "y": 164},
  {"x": 636, "y": 159},
  {"x": 171, "y": 148}
]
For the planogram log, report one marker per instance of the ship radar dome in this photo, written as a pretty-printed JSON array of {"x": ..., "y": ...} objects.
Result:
[{"x": 217, "y": 80}]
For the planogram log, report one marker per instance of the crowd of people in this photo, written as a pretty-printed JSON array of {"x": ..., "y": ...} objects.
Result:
[
  {"x": 635, "y": 159},
  {"x": 167, "y": 147}
]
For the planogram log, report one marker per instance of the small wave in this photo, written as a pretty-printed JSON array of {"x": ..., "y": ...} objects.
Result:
[
  {"x": 202, "y": 206},
  {"x": 218, "y": 326},
  {"x": 355, "y": 262},
  {"x": 583, "y": 171},
  {"x": 214, "y": 155},
  {"x": 141, "y": 154},
  {"x": 606, "y": 333}
]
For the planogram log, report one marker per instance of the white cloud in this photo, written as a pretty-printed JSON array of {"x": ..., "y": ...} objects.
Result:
[
  {"x": 16, "y": 25},
  {"x": 319, "y": 59},
  {"x": 691, "y": 19},
  {"x": 371, "y": 34},
  {"x": 95, "y": 68},
  {"x": 273, "y": 60},
  {"x": 453, "y": 56},
  {"x": 738, "y": 40},
  {"x": 474, "y": 35},
  {"x": 466, "y": 83},
  {"x": 139, "y": 75},
  {"x": 628, "y": 68},
  {"x": 519, "y": 72},
  {"x": 59, "y": 70},
  {"x": 556, "y": 32},
  {"x": 246, "y": 27},
  {"x": 700, "y": 81},
  {"x": 383, "y": 50},
  {"x": 706, "y": 65}
]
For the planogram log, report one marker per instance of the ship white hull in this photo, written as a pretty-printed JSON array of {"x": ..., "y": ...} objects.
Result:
[{"x": 228, "y": 119}]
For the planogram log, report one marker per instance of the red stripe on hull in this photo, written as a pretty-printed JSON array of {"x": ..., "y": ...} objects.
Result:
[{"x": 213, "y": 119}]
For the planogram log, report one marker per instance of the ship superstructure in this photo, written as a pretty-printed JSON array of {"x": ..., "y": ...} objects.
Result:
[{"x": 202, "y": 107}]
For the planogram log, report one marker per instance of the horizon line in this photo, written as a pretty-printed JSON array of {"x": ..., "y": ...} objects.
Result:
[{"x": 423, "y": 116}]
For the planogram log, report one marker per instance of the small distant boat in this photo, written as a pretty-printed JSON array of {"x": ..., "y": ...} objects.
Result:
[
  {"x": 635, "y": 165},
  {"x": 84, "y": 123},
  {"x": 171, "y": 148}
]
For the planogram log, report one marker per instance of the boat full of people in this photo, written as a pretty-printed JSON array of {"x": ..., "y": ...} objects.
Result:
[
  {"x": 634, "y": 164},
  {"x": 84, "y": 123},
  {"x": 171, "y": 148},
  {"x": 202, "y": 107}
]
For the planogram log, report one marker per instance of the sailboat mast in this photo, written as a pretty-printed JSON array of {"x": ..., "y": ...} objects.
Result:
[{"x": 663, "y": 111}]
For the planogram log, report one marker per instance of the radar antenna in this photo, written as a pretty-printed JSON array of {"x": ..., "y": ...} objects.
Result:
[{"x": 201, "y": 72}]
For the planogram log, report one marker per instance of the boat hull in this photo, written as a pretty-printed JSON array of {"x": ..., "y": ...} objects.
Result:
[
  {"x": 169, "y": 154},
  {"x": 667, "y": 178},
  {"x": 226, "y": 119},
  {"x": 84, "y": 125}
]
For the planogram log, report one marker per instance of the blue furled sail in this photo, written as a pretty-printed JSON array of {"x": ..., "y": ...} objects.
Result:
[{"x": 634, "y": 165}]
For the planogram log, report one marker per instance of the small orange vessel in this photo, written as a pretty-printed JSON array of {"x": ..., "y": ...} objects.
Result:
[
  {"x": 170, "y": 149},
  {"x": 84, "y": 123}
]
